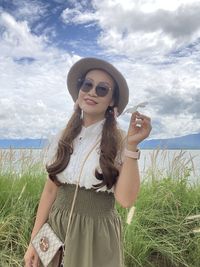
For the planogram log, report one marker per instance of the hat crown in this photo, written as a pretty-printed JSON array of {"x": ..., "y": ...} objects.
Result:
[{"x": 82, "y": 66}]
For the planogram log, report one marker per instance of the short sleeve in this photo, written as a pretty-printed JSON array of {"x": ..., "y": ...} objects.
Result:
[
  {"x": 51, "y": 148},
  {"x": 120, "y": 154}
]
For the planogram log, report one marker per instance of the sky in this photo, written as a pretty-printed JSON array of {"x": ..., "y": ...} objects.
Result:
[{"x": 154, "y": 43}]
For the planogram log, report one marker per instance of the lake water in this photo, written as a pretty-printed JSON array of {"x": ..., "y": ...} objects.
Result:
[
  {"x": 170, "y": 161},
  {"x": 153, "y": 162}
]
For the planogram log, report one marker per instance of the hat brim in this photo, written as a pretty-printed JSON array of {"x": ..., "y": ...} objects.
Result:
[{"x": 81, "y": 67}]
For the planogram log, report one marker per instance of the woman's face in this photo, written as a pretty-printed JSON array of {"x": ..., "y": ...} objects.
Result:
[{"x": 90, "y": 102}]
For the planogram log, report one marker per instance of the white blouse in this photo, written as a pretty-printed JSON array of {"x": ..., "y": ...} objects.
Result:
[{"x": 82, "y": 144}]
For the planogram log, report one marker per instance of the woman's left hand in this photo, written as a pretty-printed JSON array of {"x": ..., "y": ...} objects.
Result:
[{"x": 137, "y": 134}]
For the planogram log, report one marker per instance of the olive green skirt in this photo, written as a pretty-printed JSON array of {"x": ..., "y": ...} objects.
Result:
[{"x": 95, "y": 233}]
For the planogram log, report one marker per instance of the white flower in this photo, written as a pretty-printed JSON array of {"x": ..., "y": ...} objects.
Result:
[
  {"x": 130, "y": 215},
  {"x": 133, "y": 109},
  {"x": 197, "y": 230},
  {"x": 193, "y": 217}
]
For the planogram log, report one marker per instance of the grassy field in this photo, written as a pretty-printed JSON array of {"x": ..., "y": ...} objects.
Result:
[{"x": 164, "y": 232}]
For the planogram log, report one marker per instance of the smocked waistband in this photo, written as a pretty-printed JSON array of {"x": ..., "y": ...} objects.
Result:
[{"x": 88, "y": 201}]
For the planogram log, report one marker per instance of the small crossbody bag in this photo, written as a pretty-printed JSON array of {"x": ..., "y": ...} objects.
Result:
[{"x": 46, "y": 242}]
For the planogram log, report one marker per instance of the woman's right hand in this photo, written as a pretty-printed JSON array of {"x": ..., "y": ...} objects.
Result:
[{"x": 31, "y": 258}]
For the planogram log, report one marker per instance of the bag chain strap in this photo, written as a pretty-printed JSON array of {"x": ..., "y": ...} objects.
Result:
[{"x": 75, "y": 194}]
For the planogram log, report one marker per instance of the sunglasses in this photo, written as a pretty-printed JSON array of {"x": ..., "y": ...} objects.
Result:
[{"x": 101, "y": 88}]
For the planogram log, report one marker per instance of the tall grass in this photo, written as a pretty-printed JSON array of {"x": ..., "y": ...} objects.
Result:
[{"x": 162, "y": 232}]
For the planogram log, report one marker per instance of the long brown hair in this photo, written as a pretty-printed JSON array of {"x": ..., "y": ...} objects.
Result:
[{"x": 111, "y": 143}]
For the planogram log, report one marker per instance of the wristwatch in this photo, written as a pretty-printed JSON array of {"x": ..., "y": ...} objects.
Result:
[{"x": 132, "y": 154}]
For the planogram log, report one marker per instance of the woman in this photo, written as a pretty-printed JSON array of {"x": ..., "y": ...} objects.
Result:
[{"x": 110, "y": 173}]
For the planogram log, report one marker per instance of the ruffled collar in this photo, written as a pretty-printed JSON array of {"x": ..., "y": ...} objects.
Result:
[{"x": 93, "y": 129}]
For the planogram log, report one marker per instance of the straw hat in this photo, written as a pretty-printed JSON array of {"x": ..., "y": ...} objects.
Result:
[{"x": 81, "y": 67}]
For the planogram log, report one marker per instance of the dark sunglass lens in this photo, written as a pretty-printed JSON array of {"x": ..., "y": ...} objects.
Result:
[
  {"x": 86, "y": 86},
  {"x": 79, "y": 83},
  {"x": 102, "y": 90}
]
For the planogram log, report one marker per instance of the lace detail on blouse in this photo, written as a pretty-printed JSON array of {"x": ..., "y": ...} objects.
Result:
[{"x": 82, "y": 145}]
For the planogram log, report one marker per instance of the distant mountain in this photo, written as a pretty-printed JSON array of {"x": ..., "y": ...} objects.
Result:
[
  {"x": 23, "y": 143},
  {"x": 191, "y": 141}
]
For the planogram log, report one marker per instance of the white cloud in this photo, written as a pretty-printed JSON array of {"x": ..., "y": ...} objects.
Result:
[
  {"x": 135, "y": 33},
  {"x": 171, "y": 5},
  {"x": 135, "y": 20},
  {"x": 172, "y": 92},
  {"x": 16, "y": 38},
  {"x": 76, "y": 16},
  {"x": 30, "y": 11},
  {"x": 149, "y": 41},
  {"x": 145, "y": 34},
  {"x": 34, "y": 97},
  {"x": 129, "y": 30}
]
